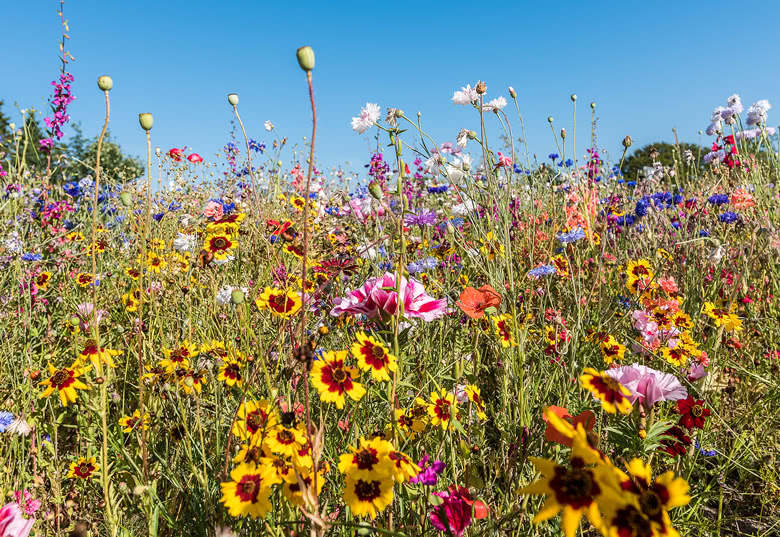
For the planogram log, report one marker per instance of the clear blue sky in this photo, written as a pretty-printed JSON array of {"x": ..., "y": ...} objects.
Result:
[{"x": 648, "y": 66}]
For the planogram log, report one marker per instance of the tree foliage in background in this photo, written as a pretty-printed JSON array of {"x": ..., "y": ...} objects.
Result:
[{"x": 634, "y": 163}]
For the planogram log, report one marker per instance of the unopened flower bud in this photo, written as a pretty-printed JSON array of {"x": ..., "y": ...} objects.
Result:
[
  {"x": 563, "y": 133},
  {"x": 627, "y": 142},
  {"x": 481, "y": 87},
  {"x": 157, "y": 151},
  {"x": 146, "y": 120},
  {"x": 237, "y": 296},
  {"x": 105, "y": 83},
  {"x": 323, "y": 330},
  {"x": 375, "y": 190},
  {"x": 399, "y": 113},
  {"x": 233, "y": 99},
  {"x": 512, "y": 92},
  {"x": 74, "y": 320},
  {"x": 593, "y": 105},
  {"x": 472, "y": 135},
  {"x": 573, "y": 97},
  {"x": 550, "y": 119},
  {"x": 305, "y": 58}
]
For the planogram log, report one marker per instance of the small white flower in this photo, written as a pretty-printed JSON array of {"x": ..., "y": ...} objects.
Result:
[
  {"x": 368, "y": 117},
  {"x": 462, "y": 209},
  {"x": 269, "y": 126},
  {"x": 225, "y": 532},
  {"x": 184, "y": 243},
  {"x": 494, "y": 105},
  {"x": 467, "y": 95},
  {"x": 223, "y": 295},
  {"x": 225, "y": 261},
  {"x": 463, "y": 137},
  {"x": 19, "y": 426}
]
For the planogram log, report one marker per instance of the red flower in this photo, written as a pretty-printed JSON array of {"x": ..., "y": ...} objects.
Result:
[
  {"x": 692, "y": 413},
  {"x": 474, "y": 302},
  {"x": 678, "y": 446},
  {"x": 551, "y": 434},
  {"x": 176, "y": 154},
  {"x": 194, "y": 158}
]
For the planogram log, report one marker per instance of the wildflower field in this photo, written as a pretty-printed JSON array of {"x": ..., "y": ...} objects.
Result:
[{"x": 469, "y": 340}]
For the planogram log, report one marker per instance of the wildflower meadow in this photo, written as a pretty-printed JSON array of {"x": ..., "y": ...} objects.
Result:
[{"x": 464, "y": 339}]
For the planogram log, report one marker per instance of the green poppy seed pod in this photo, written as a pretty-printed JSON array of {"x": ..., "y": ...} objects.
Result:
[
  {"x": 237, "y": 296},
  {"x": 105, "y": 83},
  {"x": 146, "y": 120},
  {"x": 126, "y": 199},
  {"x": 627, "y": 142},
  {"x": 305, "y": 58},
  {"x": 573, "y": 97},
  {"x": 550, "y": 119},
  {"x": 74, "y": 320},
  {"x": 593, "y": 105},
  {"x": 399, "y": 112},
  {"x": 376, "y": 191},
  {"x": 233, "y": 99}
]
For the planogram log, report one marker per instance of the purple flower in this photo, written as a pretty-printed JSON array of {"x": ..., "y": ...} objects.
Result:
[
  {"x": 429, "y": 474},
  {"x": 648, "y": 385},
  {"x": 421, "y": 219}
]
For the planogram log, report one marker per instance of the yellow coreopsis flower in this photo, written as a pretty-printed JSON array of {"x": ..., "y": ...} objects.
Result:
[{"x": 65, "y": 382}]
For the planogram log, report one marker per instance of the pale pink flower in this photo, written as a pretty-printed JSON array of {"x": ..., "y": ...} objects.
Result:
[
  {"x": 213, "y": 210},
  {"x": 378, "y": 298},
  {"x": 12, "y": 523},
  {"x": 648, "y": 385},
  {"x": 668, "y": 285},
  {"x": 742, "y": 199}
]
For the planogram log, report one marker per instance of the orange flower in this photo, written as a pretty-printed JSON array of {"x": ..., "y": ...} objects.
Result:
[
  {"x": 474, "y": 302},
  {"x": 742, "y": 199},
  {"x": 551, "y": 434}
]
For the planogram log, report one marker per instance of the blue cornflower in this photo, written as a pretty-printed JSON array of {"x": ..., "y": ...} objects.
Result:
[
  {"x": 728, "y": 217},
  {"x": 158, "y": 216},
  {"x": 704, "y": 233},
  {"x": 360, "y": 192},
  {"x": 420, "y": 219},
  {"x": 553, "y": 156},
  {"x": 624, "y": 302},
  {"x": 31, "y": 257},
  {"x": 626, "y": 220},
  {"x": 72, "y": 189},
  {"x": 6, "y": 418},
  {"x": 641, "y": 207},
  {"x": 718, "y": 199},
  {"x": 572, "y": 236},
  {"x": 386, "y": 265},
  {"x": 258, "y": 147},
  {"x": 333, "y": 211},
  {"x": 569, "y": 163},
  {"x": 543, "y": 270},
  {"x": 631, "y": 183},
  {"x": 174, "y": 206},
  {"x": 705, "y": 452},
  {"x": 438, "y": 189}
]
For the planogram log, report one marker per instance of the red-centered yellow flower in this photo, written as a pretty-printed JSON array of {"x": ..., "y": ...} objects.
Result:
[
  {"x": 404, "y": 468},
  {"x": 155, "y": 263},
  {"x": 442, "y": 409},
  {"x": 252, "y": 452},
  {"x": 83, "y": 468},
  {"x": 191, "y": 381},
  {"x": 298, "y": 202},
  {"x": 157, "y": 244},
  {"x": 613, "y": 395},
  {"x": 132, "y": 300},
  {"x": 75, "y": 236},
  {"x": 179, "y": 263},
  {"x": 653, "y": 499},
  {"x": 723, "y": 316},
  {"x": 220, "y": 244},
  {"x": 248, "y": 491},
  {"x": 369, "y": 461},
  {"x": 373, "y": 356},
  {"x": 284, "y": 471},
  {"x": 369, "y": 496},
  {"x": 473, "y": 393},
  {"x": 611, "y": 350},
  {"x": 561, "y": 265},
  {"x": 682, "y": 321},
  {"x": 99, "y": 246},
  {"x": 230, "y": 373},
  {"x": 133, "y": 273},
  {"x": 130, "y": 423},
  {"x": 302, "y": 457},
  {"x": 491, "y": 247},
  {"x": 65, "y": 382},
  {"x": 43, "y": 280},
  {"x": 280, "y": 302},
  {"x": 253, "y": 419},
  {"x": 103, "y": 355},
  {"x": 228, "y": 224},
  {"x": 285, "y": 441},
  {"x": 639, "y": 269},
  {"x": 408, "y": 422},
  {"x": 292, "y": 489},
  {"x": 676, "y": 356},
  {"x": 505, "y": 330},
  {"x": 574, "y": 489},
  {"x": 178, "y": 357},
  {"x": 84, "y": 279},
  {"x": 643, "y": 285},
  {"x": 333, "y": 379}
]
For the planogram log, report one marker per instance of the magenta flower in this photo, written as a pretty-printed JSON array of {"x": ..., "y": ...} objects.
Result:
[
  {"x": 429, "y": 474},
  {"x": 12, "y": 523},
  {"x": 648, "y": 385},
  {"x": 28, "y": 504},
  {"x": 378, "y": 297},
  {"x": 453, "y": 515}
]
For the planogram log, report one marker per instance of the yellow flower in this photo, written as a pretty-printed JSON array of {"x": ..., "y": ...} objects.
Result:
[
  {"x": 409, "y": 422},
  {"x": 639, "y": 269},
  {"x": 253, "y": 419},
  {"x": 475, "y": 397},
  {"x": 442, "y": 409},
  {"x": 65, "y": 382},
  {"x": 404, "y": 468},
  {"x": 155, "y": 263},
  {"x": 230, "y": 373},
  {"x": 613, "y": 395},
  {"x": 292, "y": 489},
  {"x": 43, "y": 280},
  {"x": 98, "y": 356},
  {"x": 491, "y": 247},
  {"x": 333, "y": 379},
  {"x": 83, "y": 468},
  {"x": 370, "y": 461},
  {"x": 84, "y": 279},
  {"x": 285, "y": 441},
  {"x": 178, "y": 357},
  {"x": 248, "y": 491},
  {"x": 368, "y": 496},
  {"x": 611, "y": 350},
  {"x": 191, "y": 381},
  {"x": 129, "y": 423},
  {"x": 723, "y": 316},
  {"x": 373, "y": 356},
  {"x": 504, "y": 326},
  {"x": 220, "y": 244},
  {"x": 281, "y": 303}
]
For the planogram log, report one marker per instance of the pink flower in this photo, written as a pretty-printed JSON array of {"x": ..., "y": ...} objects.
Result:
[
  {"x": 12, "y": 523},
  {"x": 213, "y": 210},
  {"x": 648, "y": 385},
  {"x": 378, "y": 297},
  {"x": 453, "y": 515},
  {"x": 668, "y": 285},
  {"x": 503, "y": 160},
  {"x": 696, "y": 372},
  {"x": 176, "y": 154},
  {"x": 195, "y": 158},
  {"x": 28, "y": 504}
]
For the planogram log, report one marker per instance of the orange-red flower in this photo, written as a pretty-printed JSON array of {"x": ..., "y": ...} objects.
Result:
[
  {"x": 552, "y": 434},
  {"x": 474, "y": 302}
]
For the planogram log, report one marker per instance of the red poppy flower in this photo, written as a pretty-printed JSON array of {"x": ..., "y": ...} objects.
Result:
[
  {"x": 195, "y": 158},
  {"x": 693, "y": 413},
  {"x": 176, "y": 154},
  {"x": 474, "y": 302}
]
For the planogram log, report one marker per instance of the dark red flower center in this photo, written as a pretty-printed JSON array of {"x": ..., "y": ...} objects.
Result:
[
  {"x": 367, "y": 491},
  {"x": 248, "y": 488},
  {"x": 365, "y": 459},
  {"x": 574, "y": 486}
]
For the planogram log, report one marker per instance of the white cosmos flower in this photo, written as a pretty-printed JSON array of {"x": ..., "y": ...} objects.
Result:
[
  {"x": 467, "y": 95},
  {"x": 494, "y": 104},
  {"x": 368, "y": 117},
  {"x": 184, "y": 242},
  {"x": 269, "y": 126},
  {"x": 459, "y": 167}
]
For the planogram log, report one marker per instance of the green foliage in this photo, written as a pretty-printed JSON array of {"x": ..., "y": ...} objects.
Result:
[
  {"x": 634, "y": 163},
  {"x": 82, "y": 154}
]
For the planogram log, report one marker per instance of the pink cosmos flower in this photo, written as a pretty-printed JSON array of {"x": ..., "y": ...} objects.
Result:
[
  {"x": 648, "y": 385},
  {"x": 12, "y": 523},
  {"x": 378, "y": 297},
  {"x": 213, "y": 210}
]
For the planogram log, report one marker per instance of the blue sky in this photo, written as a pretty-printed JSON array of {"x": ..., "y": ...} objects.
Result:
[{"x": 649, "y": 67}]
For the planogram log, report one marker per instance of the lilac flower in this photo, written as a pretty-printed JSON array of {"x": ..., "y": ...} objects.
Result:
[
  {"x": 757, "y": 112},
  {"x": 420, "y": 219},
  {"x": 648, "y": 385},
  {"x": 6, "y": 418},
  {"x": 429, "y": 475}
]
